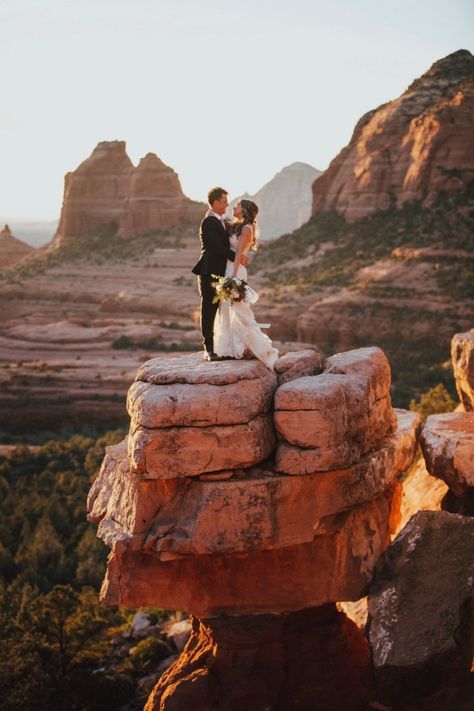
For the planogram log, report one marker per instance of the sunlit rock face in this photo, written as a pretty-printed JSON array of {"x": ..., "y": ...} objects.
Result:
[
  {"x": 107, "y": 189},
  {"x": 201, "y": 517},
  {"x": 413, "y": 148}
]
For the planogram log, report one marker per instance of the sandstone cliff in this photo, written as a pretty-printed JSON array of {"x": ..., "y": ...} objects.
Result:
[
  {"x": 416, "y": 147},
  {"x": 285, "y": 201},
  {"x": 12, "y": 250},
  {"x": 106, "y": 188}
]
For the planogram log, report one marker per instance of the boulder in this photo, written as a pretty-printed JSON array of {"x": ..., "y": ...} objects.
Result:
[
  {"x": 241, "y": 392},
  {"x": 462, "y": 356},
  {"x": 179, "y": 633},
  {"x": 168, "y": 453},
  {"x": 421, "y": 607},
  {"x": 329, "y": 421},
  {"x": 447, "y": 442},
  {"x": 190, "y": 417}
]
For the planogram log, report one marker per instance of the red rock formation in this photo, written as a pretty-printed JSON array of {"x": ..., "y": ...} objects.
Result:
[
  {"x": 447, "y": 442},
  {"x": 462, "y": 356},
  {"x": 12, "y": 250},
  {"x": 421, "y": 611},
  {"x": 106, "y": 188},
  {"x": 412, "y": 148},
  {"x": 194, "y": 526},
  {"x": 312, "y": 659}
]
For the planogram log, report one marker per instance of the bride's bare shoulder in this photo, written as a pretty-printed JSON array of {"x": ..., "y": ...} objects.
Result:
[{"x": 247, "y": 232}]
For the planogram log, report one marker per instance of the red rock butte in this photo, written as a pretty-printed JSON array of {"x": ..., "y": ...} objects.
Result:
[
  {"x": 12, "y": 250},
  {"x": 416, "y": 147},
  {"x": 107, "y": 188}
]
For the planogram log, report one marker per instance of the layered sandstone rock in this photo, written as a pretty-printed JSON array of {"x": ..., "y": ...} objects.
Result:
[
  {"x": 106, "y": 189},
  {"x": 215, "y": 415},
  {"x": 462, "y": 356},
  {"x": 200, "y": 519},
  {"x": 331, "y": 420},
  {"x": 194, "y": 494},
  {"x": 246, "y": 511},
  {"x": 421, "y": 608},
  {"x": 413, "y": 148},
  {"x": 12, "y": 250}
]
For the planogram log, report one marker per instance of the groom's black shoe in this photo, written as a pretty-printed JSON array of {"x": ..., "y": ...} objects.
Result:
[{"x": 210, "y": 355}]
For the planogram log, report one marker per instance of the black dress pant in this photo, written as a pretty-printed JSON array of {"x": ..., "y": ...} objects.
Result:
[{"x": 208, "y": 310}]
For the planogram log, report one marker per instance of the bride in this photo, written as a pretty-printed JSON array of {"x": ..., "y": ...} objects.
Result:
[{"x": 235, "y": 327}]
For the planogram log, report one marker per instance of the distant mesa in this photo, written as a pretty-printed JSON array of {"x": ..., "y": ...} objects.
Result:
[
  {"x": 285, "y": 201},
  {"x": 416, "y": 147},
  {"x": 107, "y": 188},
  {"x": 12, "y": 250}
]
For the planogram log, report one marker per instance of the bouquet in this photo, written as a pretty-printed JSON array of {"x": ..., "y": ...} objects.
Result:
[{"x": 232, "y": 288}]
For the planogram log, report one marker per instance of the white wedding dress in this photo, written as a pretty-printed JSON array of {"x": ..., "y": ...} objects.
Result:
[{"x": 235, "y": 327}]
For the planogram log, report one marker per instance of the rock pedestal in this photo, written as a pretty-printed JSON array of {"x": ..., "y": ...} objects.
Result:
[
  {"x": 312, "y": 659},
  {"x": 201, "y": 514}
]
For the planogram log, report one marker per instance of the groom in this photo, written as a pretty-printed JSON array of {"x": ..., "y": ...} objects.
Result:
[{"x": 215, "y": 252}]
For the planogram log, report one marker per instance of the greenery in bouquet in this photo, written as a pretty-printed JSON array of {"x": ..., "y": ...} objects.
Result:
[{"x": 228, "y": 288}]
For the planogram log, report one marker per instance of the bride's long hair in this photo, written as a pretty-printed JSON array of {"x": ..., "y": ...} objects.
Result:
[{"x": 249, "y": 217}]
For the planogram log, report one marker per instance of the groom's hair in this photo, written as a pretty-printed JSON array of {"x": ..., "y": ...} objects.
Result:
[{"x": 215, "y": 194}]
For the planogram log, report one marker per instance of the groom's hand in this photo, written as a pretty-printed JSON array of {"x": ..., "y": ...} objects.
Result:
[{"x": 244, "y": 260}]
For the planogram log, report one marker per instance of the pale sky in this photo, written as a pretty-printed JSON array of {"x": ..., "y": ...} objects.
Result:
[{"x": 224, "y": 91}]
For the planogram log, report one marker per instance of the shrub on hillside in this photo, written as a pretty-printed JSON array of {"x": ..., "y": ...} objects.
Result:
[{"x": 433, "y": 402}]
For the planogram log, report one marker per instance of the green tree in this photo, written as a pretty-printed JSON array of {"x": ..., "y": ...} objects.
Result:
[
  {"x": 63, "y": 638},
  {"x": 92, "y": 555},
  {"x": 42, "y": 559},
  {"x": 434, "y": 401}
]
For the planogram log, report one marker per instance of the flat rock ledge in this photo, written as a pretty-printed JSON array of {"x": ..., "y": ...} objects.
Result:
[{"x": 201, "y": 517}]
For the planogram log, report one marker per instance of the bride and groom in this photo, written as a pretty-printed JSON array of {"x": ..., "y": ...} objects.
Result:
[{"x": 229, "y": 328}]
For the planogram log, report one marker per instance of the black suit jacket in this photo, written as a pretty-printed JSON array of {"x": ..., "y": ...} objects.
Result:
[{"x": 215, "y": 250}]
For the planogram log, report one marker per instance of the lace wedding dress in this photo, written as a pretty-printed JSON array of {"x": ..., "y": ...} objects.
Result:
[{"x": 235, "y": 327}]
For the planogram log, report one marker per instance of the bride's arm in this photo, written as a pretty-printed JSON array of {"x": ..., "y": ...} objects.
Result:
[{"x": 244, "y": 240}]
